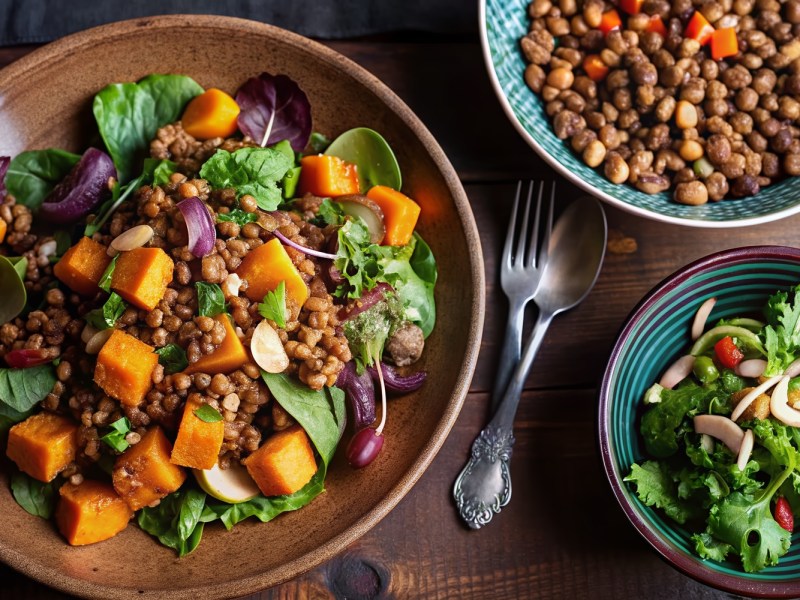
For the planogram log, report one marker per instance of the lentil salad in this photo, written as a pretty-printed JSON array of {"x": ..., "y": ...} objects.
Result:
[{"x": 239, "y": 349}]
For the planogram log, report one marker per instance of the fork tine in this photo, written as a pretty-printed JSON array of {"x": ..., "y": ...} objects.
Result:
[
  {"x": 543, "y": 253},
  {"x": 519, "y": 255},
  {"x": 511, "y": 225},
  {"x": 530, "y": 259}
]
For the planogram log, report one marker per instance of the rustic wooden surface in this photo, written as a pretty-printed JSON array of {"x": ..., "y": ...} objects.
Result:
[{"x": 562, "y": 536}]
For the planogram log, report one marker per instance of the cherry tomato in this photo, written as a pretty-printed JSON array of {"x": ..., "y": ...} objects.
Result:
[
  {"x": 727, "y": 353},
  {"x": 783, "y": 514}
]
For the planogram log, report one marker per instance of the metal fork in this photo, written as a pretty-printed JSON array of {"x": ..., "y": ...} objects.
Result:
[{"x": 520, "y": 272}]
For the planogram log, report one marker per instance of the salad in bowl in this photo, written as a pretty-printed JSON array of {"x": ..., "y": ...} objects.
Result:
[{"x": 190, "y": 306}]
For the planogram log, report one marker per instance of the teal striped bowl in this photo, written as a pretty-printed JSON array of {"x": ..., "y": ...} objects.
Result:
[
  {"x": 503, "y": 23},
  {"x": 656, "y": 333}
]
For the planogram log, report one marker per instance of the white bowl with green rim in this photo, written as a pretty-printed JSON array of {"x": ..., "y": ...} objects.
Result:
[{"x": 502, "y": 24}]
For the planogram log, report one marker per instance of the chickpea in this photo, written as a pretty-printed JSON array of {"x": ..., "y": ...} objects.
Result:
[
  {"x": 693, "y": 193},
  {"x": 594, "y": 153},
  {"x": 560, "y": 78},
  {"x": 534, "y": 77},
  {"x": 690, "y": 150},
  {"x": 615, "y": 168}
]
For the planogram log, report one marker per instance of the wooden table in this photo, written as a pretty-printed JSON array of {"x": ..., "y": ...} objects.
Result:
[{"x": 563, "y": 535}]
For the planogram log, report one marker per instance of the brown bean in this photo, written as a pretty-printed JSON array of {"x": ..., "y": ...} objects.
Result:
[
  {"x": 534, "y": 77},
  {"x": 693, "y": 193},
  {"x": 717, "y": 186},
  {"x": 594, "y": 153},
  {"x": 652, "y": 183},
  {"x": 615, "y": 168}
]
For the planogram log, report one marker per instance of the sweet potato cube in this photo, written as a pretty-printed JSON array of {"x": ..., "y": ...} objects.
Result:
[
  {"x": 43, "y": 445},
  {"x": 198, "y": 443},
  {"x": 142, "y": 275},
  {"x": 265, "y": 267},
  {"x": 90, "y": 512},
  {"x": 229, "y": 355},
  {"x": 143, "y": 474},
  {"x": 82, "y": 266},
  {"x": 125, "y": 367},
  {"x": 325, "y": 175},
  {"x": 284, "y": 464}
]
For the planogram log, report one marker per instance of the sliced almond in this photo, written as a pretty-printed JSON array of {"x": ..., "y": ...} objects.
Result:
[
  {"x": 677, "y": 372},
  {"x": 98, "y": 340},
  {"x": 267, "y": 349},
  {"x": 779, "y": 404},
  {"x": 721, "y": 428},
  {"x": 745, "y": 450},
  {"x": 231, "y": 286},
  {"x": 135, "y": 237}
]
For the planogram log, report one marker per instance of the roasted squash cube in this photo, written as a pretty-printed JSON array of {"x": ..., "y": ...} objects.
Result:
[
  {"x": 284, "y": 464},
  {"x": 144, "y": 474},
  {"x": 82, "y": 266},
  {"x": 198, "y": 443},
  {"x": 90, "y": 512},
  {"x": 125, "y": 368},
  {"x": 327, "y": 176},
  {"x": 43, "y": 445},
  {"x": 142, "y": 275},
  {"x": 229, "y": 355},
  {"x": 265, "y": 267}
]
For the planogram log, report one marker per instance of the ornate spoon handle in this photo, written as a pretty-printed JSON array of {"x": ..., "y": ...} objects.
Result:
[{"x": 484, "y": 486}]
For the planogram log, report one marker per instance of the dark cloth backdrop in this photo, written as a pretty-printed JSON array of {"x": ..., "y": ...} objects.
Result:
[{"x": 36, "y": 21}]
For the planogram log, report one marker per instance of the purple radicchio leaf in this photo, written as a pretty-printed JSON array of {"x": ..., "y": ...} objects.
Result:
[
  {"x": 4, "y": 162},
  {"x": 279, "y": 100}
]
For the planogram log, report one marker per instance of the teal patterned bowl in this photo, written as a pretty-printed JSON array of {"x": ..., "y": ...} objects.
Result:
[
  {"x": 656, "y": 333},
  {"x": 503, "y": 23}
]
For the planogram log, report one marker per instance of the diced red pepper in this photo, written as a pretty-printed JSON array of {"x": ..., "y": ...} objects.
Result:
[
  {"x": 595, "y": 68},
  {"x": 699, "y": 28},
  {"x": 724, "y": 43},
  {"x": 656, "y": 25},
  {"x": 610, "y": 21},
  {"x": 22, "y": 359},
  {"x": 632, "y": 7},
  {"x": 783, "y": 514},
  {"x": 728, "y": 354}
]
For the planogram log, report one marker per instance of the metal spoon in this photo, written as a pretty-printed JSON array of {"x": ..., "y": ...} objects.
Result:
[{"x": 577, "y": 248}]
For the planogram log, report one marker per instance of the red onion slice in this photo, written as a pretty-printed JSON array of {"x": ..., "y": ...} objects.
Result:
[
  {"x": 396, "y": 382},
  {"x": 199, "y": 224},
  {"x": 745, "y": 450},
  {"x": 677, "y": 372},
  {"x": 751, "y": 368},
  {"x": 779, "y": 404},
  {"x": 722, "y": 428},
  {"x": 301, "y": 248},
  {"x": 752, "y": 395},
  {"x": 701, "y": 316}
]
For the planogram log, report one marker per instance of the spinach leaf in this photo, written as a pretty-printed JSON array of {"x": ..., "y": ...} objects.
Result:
[
  {"x": 208, "y": 414},
  {"x": 411, "y": 271},
  {"x": 210, "y": 299},
  {"x": 320, "y": 413},
  {"x": 33, "y": 174},
  {"x": 14, "y": 296},
  {"x": 254, "y": 171},
  {"x": 63, "y": 242},
  {"x": 116, "y": 437},
  {"x": 173, "y": 358},
  {"x": 129, "y": 114},
  {"x": 22, "y": 389},
  {"x": 37, "y": 498},
  {"x": 178, "y": 520},
  {"x": 106, "y": 316},
  {"x": 238, "y": 216},
  {"x": 274, "y": 305},
  {"x": 370, "y": 152}
]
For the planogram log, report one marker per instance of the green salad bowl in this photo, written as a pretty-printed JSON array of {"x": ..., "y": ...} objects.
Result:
[
  {"x": 656, "y": 333},
  {"x": 503, "y": 23}
]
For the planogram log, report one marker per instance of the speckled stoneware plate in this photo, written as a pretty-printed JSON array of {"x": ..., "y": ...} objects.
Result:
[
  {"x": 46, "y": 102},
  {"x": 502, "y": 24},
  {"x": 654, "y": 335}
]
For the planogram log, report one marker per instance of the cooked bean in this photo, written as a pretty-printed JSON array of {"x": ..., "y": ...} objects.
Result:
[
  {"x": 616, "y": 169},
  {"x": 693, "y": 193},
  {"x": 594, "y": 153}
]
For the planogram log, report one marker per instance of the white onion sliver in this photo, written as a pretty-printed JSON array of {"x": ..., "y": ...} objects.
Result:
[
  {"x": 752, "y": 395},
  {"x": 701, "y": 316},
  {"x": 779, "y": 407},
  {"x": 751, "y": 368},
  {"x": 745, "y": 450},
  {"x": 677, "y": 372},
  {"x": 707, "y": 443},
  {"x": 199, "y": 225},
  {"x": 303, "y": 249},
  {"x": 722, "y": 428},
  {"x": 793, "y": 370}
]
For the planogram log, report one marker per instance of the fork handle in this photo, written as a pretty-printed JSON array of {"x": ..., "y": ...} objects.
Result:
[
  {"x": 484, "y": 486},
  {"x": 510, "y": 352}
]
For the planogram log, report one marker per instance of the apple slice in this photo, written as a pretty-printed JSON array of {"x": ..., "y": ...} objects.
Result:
[{"x": 233, "y": 484}]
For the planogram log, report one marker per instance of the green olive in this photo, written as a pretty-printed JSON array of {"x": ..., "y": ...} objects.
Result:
[{"x": 705, "y": 369}]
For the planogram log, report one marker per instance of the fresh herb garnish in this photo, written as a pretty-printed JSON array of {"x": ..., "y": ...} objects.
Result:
[
  {"x": 210, "y": 299},
  {"x": 208, "y": 414},
  {"x": 116, "y": 437},
  {"x": 329, "y": 213},
  {"x": 238, "y": 216},
  {"x": 368, "y": 331},
  {"x": 106, "y": 316},
  {"x": 273, "y": 306},
  {"x": 37, "y": 498},
  {"x": 782, "y": 334},
  {"x": 173, "y": 358},
  {"x": 357, "y": 259},
  {"x": 105, "y": 279}
]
